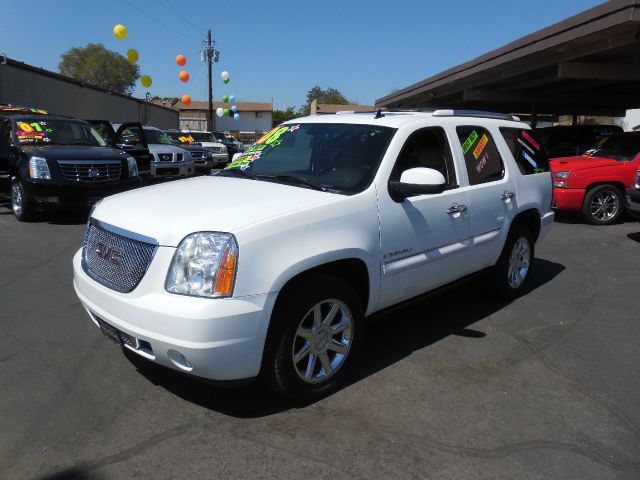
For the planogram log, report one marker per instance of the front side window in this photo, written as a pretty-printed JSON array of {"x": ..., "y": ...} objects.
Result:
[
  {"x": 338, "y": 157},
  {"x": 481, "y": 156},
  {"x": 526, "y": 150},
  {"x": 427, "y": 147},
  {"x": 57, "y": 131}
]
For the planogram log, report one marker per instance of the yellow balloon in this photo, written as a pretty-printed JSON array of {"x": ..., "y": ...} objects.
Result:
[
  {"x": 145, "y": 80},
  {"x": 132, "y": 55},
  {"x": 120, "y": 31}
]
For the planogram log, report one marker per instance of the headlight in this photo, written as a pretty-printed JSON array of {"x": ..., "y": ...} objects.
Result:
[
  {"x": 133, "y": 167},
  {"x": 38, "y": 168},
  {"x": 204, "y": 265},
  {"x": 187, "y": 156},
  {"x": 560, "y": 179},
  {"x": 223, "y": 149}
]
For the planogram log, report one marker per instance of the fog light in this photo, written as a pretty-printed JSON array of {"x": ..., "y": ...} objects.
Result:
[{"x": 179, "y": 360}]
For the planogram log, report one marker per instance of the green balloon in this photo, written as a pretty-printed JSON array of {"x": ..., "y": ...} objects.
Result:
[
  {"x": 226, "y": 81},
  {"x": 225, "y": 99},
  {"x": 227, "y": 112}
]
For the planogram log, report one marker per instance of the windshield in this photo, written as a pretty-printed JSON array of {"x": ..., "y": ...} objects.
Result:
[
  {"x": 624, "y": 147},
  {"x": 182, "y": 138},
  {"x": 202, "y": 136},
  {"x": 338, "y": 157},
  {"x": 157, "y": 136},
  {"x": 59, "y": 131}
]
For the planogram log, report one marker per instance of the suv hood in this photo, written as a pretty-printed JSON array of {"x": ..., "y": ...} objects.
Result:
[
  {"x": 73, "y": 152},
  {"x": 165, "y": 148},
  {"x": 169, "y": 212},
  {"x": 580, "y": 163}
]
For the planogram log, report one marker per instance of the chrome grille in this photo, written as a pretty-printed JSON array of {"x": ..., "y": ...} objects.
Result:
[
  {"x": 115, "y": 260},
  {"x": 90, "y": 171},
  {"x": 165, "y": 157}
]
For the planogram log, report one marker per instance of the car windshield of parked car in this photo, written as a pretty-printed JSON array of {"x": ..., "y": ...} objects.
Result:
[
  {"x": 157, "y": 136},
  {"x": 56, "y": 131},
  {"x": 181, "y": 138},
  {"x": 623, "y": 147},
  {"x": 203, "y": 137},
  {"x": 342, "y": 158}
]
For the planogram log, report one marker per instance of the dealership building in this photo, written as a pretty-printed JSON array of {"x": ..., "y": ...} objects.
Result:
[{"x": 23, "y": 84}]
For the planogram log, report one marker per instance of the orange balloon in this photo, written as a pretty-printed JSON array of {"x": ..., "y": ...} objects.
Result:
[
  {"x": 186, "y": 99},
  {"x": 184, "y": 76},
  {"x": 181, "y": 60}
]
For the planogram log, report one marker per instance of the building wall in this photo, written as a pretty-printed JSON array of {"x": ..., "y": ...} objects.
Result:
[
  {"x": 32, "y": 88},
  {"x": 196, "y": 120}
]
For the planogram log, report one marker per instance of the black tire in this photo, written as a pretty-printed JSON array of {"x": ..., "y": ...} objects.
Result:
[
  {"x": 505, "y": 285},
  {"x": 23, "y": 210},
  {"x": 293, "y": 313},
  {"x": 603, "y": 205}
]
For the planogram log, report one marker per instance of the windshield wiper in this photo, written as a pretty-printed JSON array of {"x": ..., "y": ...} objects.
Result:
[
  {"x": 294, "y": 179},
  {"x": 237, "y": 171}
]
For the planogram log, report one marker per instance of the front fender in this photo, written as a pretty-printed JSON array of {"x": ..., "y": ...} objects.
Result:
[{"x": 276, "y": 250}]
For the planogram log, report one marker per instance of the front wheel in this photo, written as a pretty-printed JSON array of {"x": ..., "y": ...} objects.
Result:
[
  {"x": 315, "y": 336},
  {"x": 22, "y": 208},
  {"x": 603, "y": 205},
  {"x": 513, "y": 270}
]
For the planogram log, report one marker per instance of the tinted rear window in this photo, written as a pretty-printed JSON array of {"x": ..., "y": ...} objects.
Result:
[{"x": 526, "y": 150}]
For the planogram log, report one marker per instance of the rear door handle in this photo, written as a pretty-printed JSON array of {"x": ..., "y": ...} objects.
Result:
[
  {"x": 507, "y": 196},
  {"x": 456, "y": 208}
]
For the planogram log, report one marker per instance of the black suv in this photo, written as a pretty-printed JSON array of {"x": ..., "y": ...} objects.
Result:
[{"x": 58, "y": 162}]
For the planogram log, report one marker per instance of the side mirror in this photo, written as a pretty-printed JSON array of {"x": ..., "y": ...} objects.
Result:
[{"x": 417, "y": 181}]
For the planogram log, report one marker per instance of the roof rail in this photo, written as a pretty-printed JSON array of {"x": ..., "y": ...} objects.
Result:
[{"x": 475, "y": 113}]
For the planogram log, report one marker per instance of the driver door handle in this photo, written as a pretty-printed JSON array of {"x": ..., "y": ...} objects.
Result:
[{"x": 456, "y": 208}]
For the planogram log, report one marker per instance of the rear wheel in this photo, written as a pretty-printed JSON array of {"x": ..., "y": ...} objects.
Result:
[
  {"x": 22, "y": 208},
  {"x": 603, "y": 205},
  {"x": 316, "y": 333},
  {"x": 512, "y": 272}
]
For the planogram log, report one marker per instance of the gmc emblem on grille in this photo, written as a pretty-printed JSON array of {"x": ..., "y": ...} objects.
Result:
[{"x": 109, "y": 253}]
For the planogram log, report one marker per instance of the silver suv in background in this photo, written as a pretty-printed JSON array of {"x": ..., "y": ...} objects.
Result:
[
  {"x": 167, "y": 159},
  {"x": 209, "y": 141}
]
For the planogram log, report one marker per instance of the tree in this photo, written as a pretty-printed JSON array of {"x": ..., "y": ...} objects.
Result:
[
  {"x": 98, "y": 66},
  {"x": 331, "y": 96},
  {"x": 280, "y": 116}
]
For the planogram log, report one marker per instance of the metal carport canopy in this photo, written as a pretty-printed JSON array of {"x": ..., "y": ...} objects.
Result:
[{"x": 588, "y": 64}]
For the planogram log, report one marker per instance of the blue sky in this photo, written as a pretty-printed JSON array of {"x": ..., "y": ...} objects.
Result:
[{"x": 365, "y": 48}]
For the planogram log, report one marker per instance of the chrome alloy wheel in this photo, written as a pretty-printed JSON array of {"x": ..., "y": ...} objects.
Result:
[
  {"x": 322, "y": 341},
  {"x": 604, "y": 205},
  {"x": 519, "y": 262},
  {"x": 16, "y": 198}
]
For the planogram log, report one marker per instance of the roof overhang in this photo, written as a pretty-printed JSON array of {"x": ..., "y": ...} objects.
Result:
[{"x": 588, "y": 64}]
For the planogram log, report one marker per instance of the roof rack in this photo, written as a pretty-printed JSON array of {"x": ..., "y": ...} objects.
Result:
[{"x": 475, "y": 113}]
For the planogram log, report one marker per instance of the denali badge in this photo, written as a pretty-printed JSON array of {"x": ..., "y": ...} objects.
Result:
[{"x": 109, "y": 253}]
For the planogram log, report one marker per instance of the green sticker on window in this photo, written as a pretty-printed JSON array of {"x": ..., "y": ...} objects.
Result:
[{"x": 469, "y": 142}]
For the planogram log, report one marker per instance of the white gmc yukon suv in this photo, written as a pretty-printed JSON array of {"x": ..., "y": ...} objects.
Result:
[{"x": 269, "y": 268}]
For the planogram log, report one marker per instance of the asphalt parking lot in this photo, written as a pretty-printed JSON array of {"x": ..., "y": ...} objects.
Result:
[{"x": 461, "y": 386}]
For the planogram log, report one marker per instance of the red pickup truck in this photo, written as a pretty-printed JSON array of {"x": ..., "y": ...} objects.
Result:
[{"x": 595, "y": 182}]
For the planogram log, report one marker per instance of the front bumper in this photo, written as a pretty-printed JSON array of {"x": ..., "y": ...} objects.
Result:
[
  {"x": 220, "y": 160},
  {"x": 171, "y": 169},
  {"x": 222, "y": 339},
  {"x": 568, "y": 198},
  {"x": 46, "y": 195},
  {"x": 633, "y": 202}
]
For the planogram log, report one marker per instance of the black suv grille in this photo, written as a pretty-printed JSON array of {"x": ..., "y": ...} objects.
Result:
[{"x": 90, "y": 171}]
